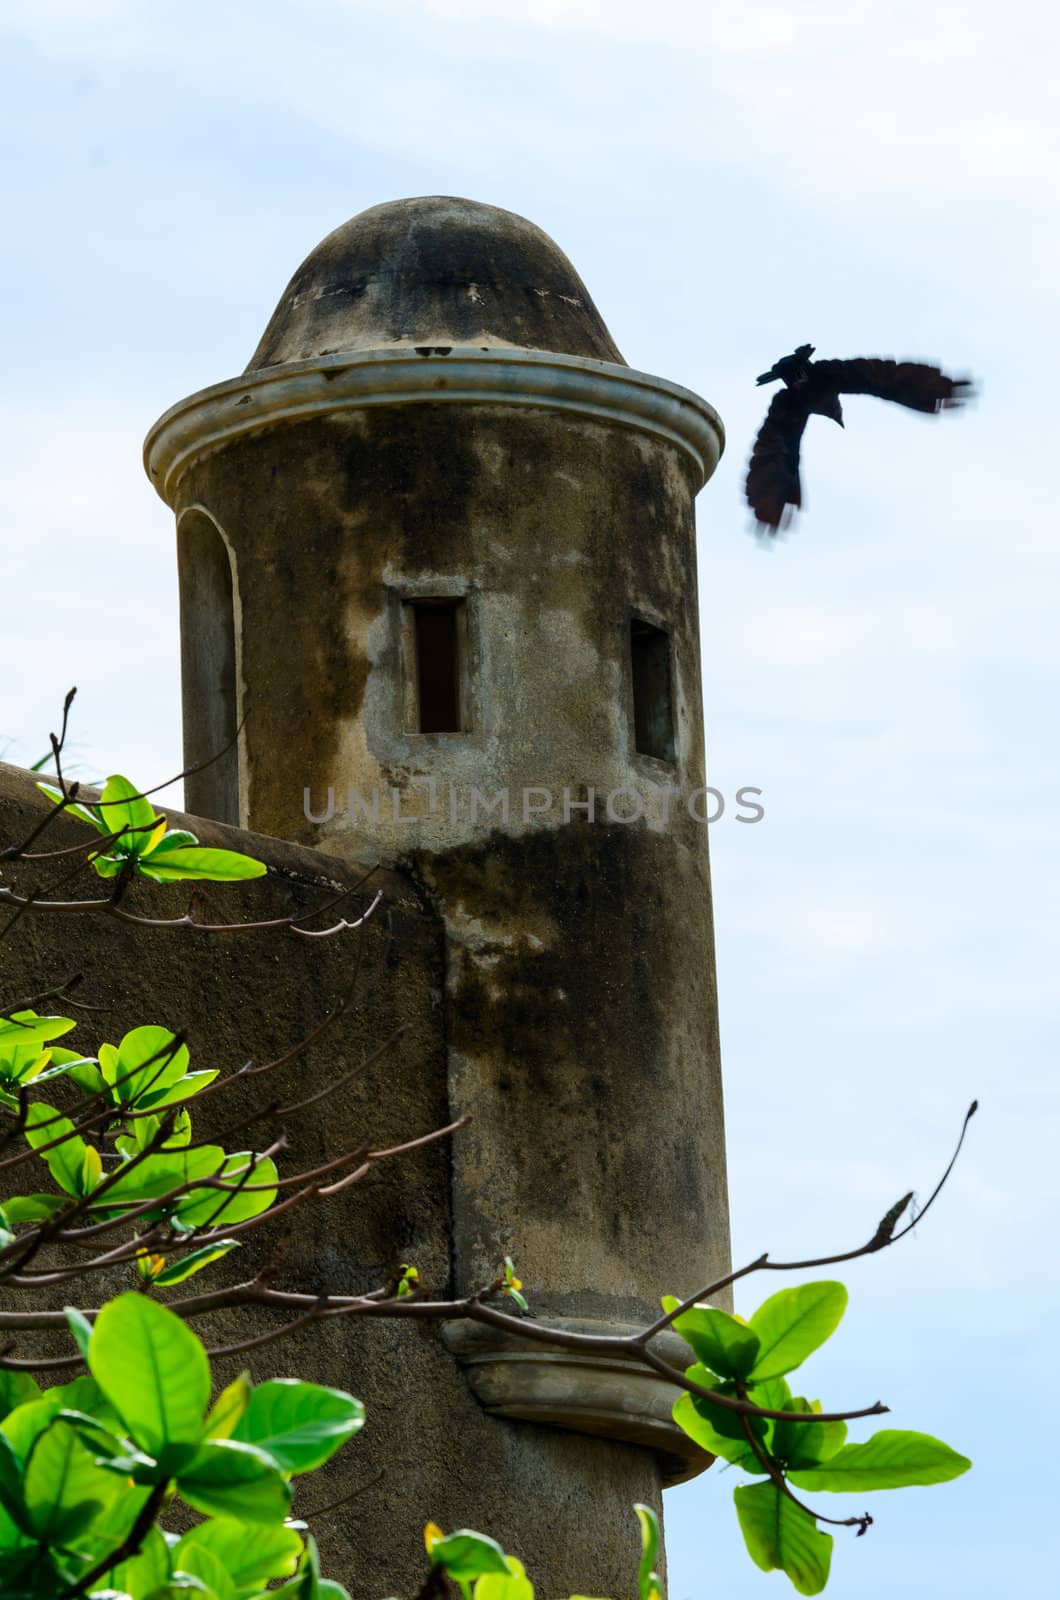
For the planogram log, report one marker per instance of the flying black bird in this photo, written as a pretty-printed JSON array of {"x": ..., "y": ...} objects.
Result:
[{"x": 814, "y": 387}]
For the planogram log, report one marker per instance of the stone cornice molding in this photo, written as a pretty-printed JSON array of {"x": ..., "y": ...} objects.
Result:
[
  {"x": 558, "y": 1386},
  {"x": 602, "y": 390}
]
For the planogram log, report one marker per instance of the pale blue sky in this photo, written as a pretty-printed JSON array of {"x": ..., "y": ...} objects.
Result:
[{"x": 729, "y": 181}]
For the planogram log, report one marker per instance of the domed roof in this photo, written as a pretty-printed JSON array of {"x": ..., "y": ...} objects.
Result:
[{"x": 434, "y": 271}]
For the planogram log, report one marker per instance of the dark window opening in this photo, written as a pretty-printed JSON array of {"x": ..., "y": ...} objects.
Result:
[
  {"x": 438, "y": 626},
  {"x": 653, "y": 712}
]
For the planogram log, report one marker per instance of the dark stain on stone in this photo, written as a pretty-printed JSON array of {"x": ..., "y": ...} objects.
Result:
[{"x": 579, "y": 1032}]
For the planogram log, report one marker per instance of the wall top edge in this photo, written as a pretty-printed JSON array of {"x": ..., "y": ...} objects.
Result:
[{"x": 602, "y": 390}]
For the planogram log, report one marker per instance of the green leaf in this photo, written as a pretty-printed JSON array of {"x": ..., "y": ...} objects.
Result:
[
  {"x": 272, "y": 1552},
  {"x": 23, "y": 1028},
  {"x": 34, "y": 1207},
  {"x": 103, "y": 1444},
  {"x": 202, "y": 1563},
  {"x": 156, "y": 1176},
  {"x": 514, "y": 1585},
  {"x": 16, "y": 1389},
  {"x": 64, "y": 1488},
  {"x": 227, "y": 1409},
  {"x": 12, "y": 1497},
  {"x": 80, "y": 1328},
  {"x": 191, "y": 1083},
  {"x": 174, "y": 839},
  {"x": 66, "y": 1162},
  {"x": 727, "y": 1425},
  {"x": 228, "y": 1478},
  {"x": 214, "y": 866},
  {"x": 188, "y": 1265},
  {"x": 301, "y": 1425},
  {"x": 805, "y": 1444},
  {"x": 148, "y": 1570},
  {"x": 152, "y": 1369},
  {"x": 209, "y": 1206},
  {"x": 147, "y": 1061},
  {"x": 465, "y": 1555},
  {"x": 145, "y": 1129},
  {"x": 792, "y": 1324},
  {"x": 779, "y": 1534},
  {"x": 649, "y": 1585},
  {"x": 82, "y": 813},
  {"x": 690, "y": 1413},
  {"x": 893, "y": 1459},
  {"x": 24, "y": 1058},
  {"x": 120, "y": 808},
  {"x": 723, "y": 1343}
]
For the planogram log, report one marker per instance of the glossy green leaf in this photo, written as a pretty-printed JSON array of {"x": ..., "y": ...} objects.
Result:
[
  {"x": 792, "y": 1324},
  {"x": 214, "y": 866},
  {"x": 16, "y": 1389},
  {"x": 271, "y": 1552},
  {"x": 726, "y": 1424},
  {"x": 512, "y": 1585},
  {"x": 24, "y": 1425},
  {"x": 227, "y": 1409},
  {"x": 892, "y": 1459},
  {"x": 82, "y": 1070},
  {"x": 146, "y": 1129},
  {"x": 65, "y": 1161},
  {"x": 649, "y": 1586},
  {"x": 805, "y": 1444},
  {"x": 194, "y": 1262},
  {"x": 105, "y": 1447},
  {"x": 64, "y": 1488},
  {"x": 209, "y": 1207},
  {"x": 231, "y": 1479},
  {"x": 25, "y": 1030},
  {"x": 152, "y": 1369},
  {"x": 80, "y": 1328},
  {"x": 779, "y": 1535},
  {"x": 34, "y": 1207},
  {"x": 148, "y": 1570},
  {"x": 721, "y": 1342},
  {"x": 122, "y": 806},
  {"x": 158, "y": 1175},
  {"x": 301, "y": 1425},
  {"x": 190, "y": 1084},
  {"x": 12, "y": 1496},
  {"x": 465, "y": 1555},
  {"x": 174, "y": 839},
  {"x": 201, "y": 1562},
  {"x": 690, "y": 1414},
  {"x": 147, "y": 1061},
  {"x": 82, "y": 813}
]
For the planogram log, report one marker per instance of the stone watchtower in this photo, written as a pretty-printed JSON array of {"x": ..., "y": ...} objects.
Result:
[{"x": 437, "y": 556}]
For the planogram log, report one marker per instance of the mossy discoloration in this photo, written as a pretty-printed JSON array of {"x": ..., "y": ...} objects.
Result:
[
  {"x": 431, "y": 273},
  {"x": 596, "y": 1106}
]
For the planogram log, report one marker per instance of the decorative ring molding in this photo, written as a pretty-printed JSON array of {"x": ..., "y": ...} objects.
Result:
[
  {"x": 218, "y": 416},
  {"x": 611, "y": 1397}
]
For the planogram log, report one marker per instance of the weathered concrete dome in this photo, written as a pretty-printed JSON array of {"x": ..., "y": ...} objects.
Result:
[{"x": 434, "y": 271}]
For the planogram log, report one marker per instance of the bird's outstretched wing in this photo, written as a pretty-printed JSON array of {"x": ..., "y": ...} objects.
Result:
[
  {"x": 773, "y": 475},
  {"x": 908, "y": 383}
]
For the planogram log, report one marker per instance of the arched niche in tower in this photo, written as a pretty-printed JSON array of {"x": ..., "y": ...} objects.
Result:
[{"x": 209, "y": 666}]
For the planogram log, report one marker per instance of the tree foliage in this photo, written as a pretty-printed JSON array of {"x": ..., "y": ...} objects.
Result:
[{"x": 115, "y": 1178}]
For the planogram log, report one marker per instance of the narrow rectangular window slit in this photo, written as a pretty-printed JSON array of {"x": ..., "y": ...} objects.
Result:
[
  {"x": 653, "y": 712},
  {"x": 438, "y": 644}
]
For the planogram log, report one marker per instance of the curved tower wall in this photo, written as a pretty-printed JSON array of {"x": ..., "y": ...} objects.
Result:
[{"x": 464, "y": 594}]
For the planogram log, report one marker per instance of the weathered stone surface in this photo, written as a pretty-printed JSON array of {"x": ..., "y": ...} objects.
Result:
[
  {"x": 437, "y": 414},
  {"x": 434, "y": 271},
  {"x": 429, "y": 1449}
]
